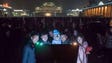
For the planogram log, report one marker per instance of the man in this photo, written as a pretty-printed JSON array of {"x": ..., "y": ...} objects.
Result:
[
  {"x": 29, "y": 49},
  {"x": 56, "y": 37},
  {"x": 50, "y": 35},
  {"x": 64, "y": 39},
  {"x": 44, "y": 38}
]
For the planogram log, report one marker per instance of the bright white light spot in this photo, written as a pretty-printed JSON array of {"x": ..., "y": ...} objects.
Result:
[
  {"x": 48, "y": 14},
  {"x": 18, "y": 10},
  {"x": 4, "y": 9},
  {"x": 101, "y": 3},
  {"x": 75, "y": 44}
]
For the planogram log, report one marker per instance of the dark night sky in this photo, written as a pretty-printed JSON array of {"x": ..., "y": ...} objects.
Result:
[{"x": 31, "y": 4}]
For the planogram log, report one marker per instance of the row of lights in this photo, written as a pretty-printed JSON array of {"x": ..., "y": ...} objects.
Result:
[{"x": 41, "y": 44}]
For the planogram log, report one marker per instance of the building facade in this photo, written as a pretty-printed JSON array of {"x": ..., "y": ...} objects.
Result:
[
  {"x": 48, "y": 9},
  {"x": 100, "y": 10}
]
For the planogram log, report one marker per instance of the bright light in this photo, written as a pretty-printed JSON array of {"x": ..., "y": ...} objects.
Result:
[
  {"x": 6, "y": 5},
  {"x": 18, "y": 10},
  {"x": 4, "y": 9},
  {"x": 41, "y": 44},
  {"x": 37, "y": 43},
  {"x": 101, "y": 3},
  {"x": 76, "y": 10},
  {"x": 75, "y": 44},
  {"x": 48, "y": 14}
]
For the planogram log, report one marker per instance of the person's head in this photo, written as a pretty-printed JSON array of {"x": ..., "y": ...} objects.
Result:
[
  {"x": 75, "y": 32},
  {"x": 34, "y": 37},
  {"x": 56, "y": 34},
  {"x": 50, "y": 33},
  {"x": 44, "y": 37},
  {"x": 80, "y": 39},
  {"x": 64, "y": 37}
]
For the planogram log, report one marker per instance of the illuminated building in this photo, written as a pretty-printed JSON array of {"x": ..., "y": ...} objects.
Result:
[
  {"x": 74, "y": 12},
  {"x": 20, "y": 13},
  {"x": 100, "y": 10},
  {"x": 5, "y": 10},
  {"x": 95, "y": 2},
  {"x": 48, "y": 9}
]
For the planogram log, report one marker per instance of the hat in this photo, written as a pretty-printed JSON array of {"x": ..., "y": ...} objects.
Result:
[{"x": 55, "y": 32}]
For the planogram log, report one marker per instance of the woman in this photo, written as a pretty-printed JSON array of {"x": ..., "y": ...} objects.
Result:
[{"x": 82, "y": 58}]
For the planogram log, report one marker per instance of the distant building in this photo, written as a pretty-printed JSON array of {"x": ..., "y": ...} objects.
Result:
[
  {"x": 74, "y": 12},
  {"x": 95, "y": 2},
  {"x": 20, "y": 13},
  {"x": 104, "y": 10},
  {"x": 48, "y": 9},
  {"x": 5, "y": 10}
]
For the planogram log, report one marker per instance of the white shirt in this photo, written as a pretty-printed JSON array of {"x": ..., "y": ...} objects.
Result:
[
  {"x": 81, "y": 53},
  {"x": 56, "y": 42}
]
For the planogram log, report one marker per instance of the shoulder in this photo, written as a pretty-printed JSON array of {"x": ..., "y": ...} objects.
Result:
[{"x": 27, "y": 47}]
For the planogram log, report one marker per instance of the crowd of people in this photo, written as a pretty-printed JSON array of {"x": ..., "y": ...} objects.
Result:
[
  {"x": 55, "y": 37},
  {"x": 51, "y": 31}
]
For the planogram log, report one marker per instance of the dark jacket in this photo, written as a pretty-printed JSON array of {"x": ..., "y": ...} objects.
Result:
[
  {"x": 29, "y": 54},
  {"x": 65, "y": 42}
]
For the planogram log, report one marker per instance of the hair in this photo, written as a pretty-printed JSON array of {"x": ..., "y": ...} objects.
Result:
[
  {"x": 44, "y": 33},
  {"x": 33, "y": 33},
  {"x": 80, "y": 35},
  {"x": 29, "y": 41}
]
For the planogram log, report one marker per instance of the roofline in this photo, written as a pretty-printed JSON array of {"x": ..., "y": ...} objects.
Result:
[{"x": 110, "y": 3}]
